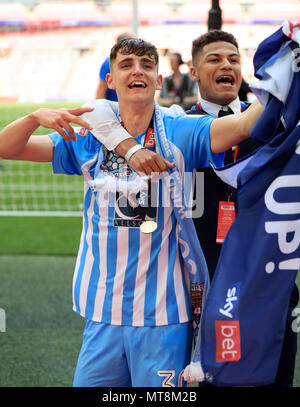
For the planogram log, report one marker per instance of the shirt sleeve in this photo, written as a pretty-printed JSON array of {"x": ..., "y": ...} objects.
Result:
[
  {"x": 69, "y": 156},
  {"x": 191, "y": 134}
]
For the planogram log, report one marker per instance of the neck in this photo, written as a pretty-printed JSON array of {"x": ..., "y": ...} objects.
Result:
[{"x": 136, "y": 118}]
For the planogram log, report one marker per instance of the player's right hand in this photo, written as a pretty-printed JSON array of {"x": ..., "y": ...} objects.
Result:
[
  {"x": 60, "y": 119},
  {"x": 147, "y": 162}
]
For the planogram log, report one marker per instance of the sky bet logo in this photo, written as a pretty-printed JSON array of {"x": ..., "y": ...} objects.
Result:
[
  {"x": 231, "y": 300},
  {"x": 228, "y": 341}
]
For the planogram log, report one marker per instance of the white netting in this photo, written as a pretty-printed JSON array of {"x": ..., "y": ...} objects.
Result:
[{"x": 31, "y": 188}]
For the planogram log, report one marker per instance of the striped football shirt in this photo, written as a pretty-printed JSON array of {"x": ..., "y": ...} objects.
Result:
[{"x": 122, "y": 276}]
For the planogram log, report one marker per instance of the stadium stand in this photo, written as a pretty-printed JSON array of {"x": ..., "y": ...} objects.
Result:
[
  {"x": 14, "y": 11},
  {"x": 66, "y": 11}
]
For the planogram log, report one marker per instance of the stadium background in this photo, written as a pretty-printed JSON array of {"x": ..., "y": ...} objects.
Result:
[{"x": 50, "y": 54}]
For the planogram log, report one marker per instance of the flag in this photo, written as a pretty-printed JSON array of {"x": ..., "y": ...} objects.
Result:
[{"x": 243, "y": 321}]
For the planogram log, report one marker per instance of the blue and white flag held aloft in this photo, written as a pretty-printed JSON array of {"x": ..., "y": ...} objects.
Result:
[{"x": 244, "y": 317}]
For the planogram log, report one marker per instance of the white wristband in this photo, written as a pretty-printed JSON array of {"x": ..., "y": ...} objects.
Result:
[{"x": 132, "y": 151}]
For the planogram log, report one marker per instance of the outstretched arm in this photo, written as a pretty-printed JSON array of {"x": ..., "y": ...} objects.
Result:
[
  {"x": 17, "y": 142},
  {"x": 225, "y": 133},
  {"x": 230, "y": 130}
]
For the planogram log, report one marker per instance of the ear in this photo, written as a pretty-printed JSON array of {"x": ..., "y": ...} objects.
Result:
[
  {"x": 109, "y": 81},
  {"x": 194, "y": 74},
  {"x": 159, "y": 82}
]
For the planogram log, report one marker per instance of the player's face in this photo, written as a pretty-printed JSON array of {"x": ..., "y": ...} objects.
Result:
[
  {"x": 218, "y": 72},
  {"x": 135, "y": 78}
]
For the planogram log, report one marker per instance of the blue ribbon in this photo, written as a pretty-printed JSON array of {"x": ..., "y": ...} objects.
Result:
[{"x": 192, "y": 252}]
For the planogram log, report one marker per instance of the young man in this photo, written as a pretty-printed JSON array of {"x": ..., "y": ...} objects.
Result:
[
  {"x": 129, "y": 285},
  {"x": 102, "y": 91},
  {"x": 217, "y": 70}
]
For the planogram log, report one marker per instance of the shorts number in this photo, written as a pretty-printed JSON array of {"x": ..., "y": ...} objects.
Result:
[{"x": 169, "y": 375}]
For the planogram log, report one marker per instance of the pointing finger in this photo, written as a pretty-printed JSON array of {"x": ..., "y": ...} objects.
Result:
[{"x": 78, "y": 120}]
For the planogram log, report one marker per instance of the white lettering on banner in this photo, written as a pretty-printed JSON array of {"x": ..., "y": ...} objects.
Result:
[
  {"x": 296, "y": 321},
  {"x": 231, "y": 296},
  {"x": 282, "y": 228},
  {"x": 288, "y": 231},
  {"x": 283, "y": 208},
  {"x": 228, "y": 343},
  {"x": 296, "y": 61}
]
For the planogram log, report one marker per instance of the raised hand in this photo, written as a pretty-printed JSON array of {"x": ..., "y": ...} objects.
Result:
[{"x": 60, "y": 119}]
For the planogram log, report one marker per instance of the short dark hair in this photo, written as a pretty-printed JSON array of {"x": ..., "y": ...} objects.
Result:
[
  {"x": 134, "y": 46},
  {"x": 209, "y": 37}
]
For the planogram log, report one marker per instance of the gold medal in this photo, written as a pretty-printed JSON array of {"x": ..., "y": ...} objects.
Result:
[{"x": 149, "y": 226}]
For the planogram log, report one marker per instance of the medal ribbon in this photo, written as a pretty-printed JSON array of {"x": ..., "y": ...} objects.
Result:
[{"x": 192, "y": 252}]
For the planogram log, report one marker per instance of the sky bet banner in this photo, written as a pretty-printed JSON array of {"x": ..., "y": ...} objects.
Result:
[{"x": 244, "y": 317}]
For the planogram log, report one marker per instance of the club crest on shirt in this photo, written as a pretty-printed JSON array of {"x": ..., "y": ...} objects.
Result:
[{"x": 131, "y": 208}]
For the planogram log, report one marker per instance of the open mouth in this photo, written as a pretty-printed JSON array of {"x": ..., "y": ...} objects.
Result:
[
  {"x": 137, "y": 84},
  {"x": 226, "y": 79}
]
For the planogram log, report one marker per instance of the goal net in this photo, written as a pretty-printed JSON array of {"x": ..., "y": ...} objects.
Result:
[{"x": 28, "y": 188}]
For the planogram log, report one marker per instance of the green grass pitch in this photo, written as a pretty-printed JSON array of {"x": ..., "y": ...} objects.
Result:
[{"x": 37, "y": 257}]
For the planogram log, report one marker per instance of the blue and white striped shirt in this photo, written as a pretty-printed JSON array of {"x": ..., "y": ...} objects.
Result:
[{"x": 122, "y": 276}]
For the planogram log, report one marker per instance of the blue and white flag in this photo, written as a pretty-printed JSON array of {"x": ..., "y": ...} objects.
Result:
[{"x": 244, "y": 317}]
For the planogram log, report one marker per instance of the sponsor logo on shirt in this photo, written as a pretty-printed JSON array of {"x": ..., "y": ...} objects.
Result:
[
  {"x": 83, "y": 131},
  {"x": 132, "y": 210},
  {"x": 150, "y": 138}
]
